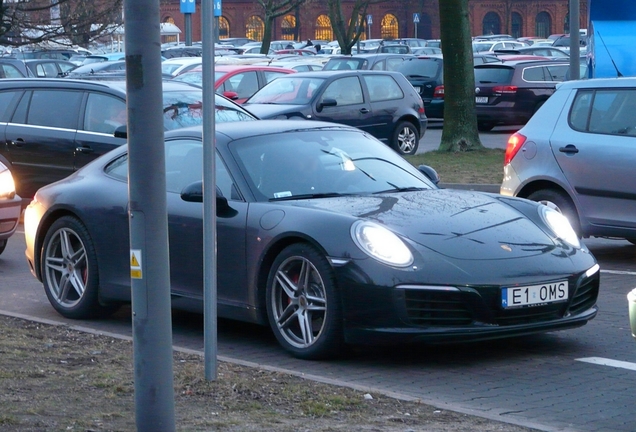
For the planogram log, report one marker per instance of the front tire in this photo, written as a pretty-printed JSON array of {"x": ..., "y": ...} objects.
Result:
[
  {"x": 303, "y": 305},
  {"x": 406, "y": 138},
  {"x": 560, "y": 202},
  {"x": 69, "y": 270}
]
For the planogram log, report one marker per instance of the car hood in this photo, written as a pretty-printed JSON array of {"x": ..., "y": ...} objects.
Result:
[
  {"x": 268, "y": 111},
  {"x": 458, "y": 224}
]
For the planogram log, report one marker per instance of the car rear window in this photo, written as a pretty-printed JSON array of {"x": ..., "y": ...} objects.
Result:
[
  {"x": 493, "y": 75},
  {"x": 428, "y": 68}
]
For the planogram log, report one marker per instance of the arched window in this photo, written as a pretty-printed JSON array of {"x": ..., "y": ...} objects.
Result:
[
  {"x": 323, "y": 28},
  {"x": 169, "y": 38},
  {"x": 516, "y": 28},
  {"x": 491, "y": 24},
  {"x": 543, "y": 26},
  {"x": 288, "y": 27},
  {"x": 224, "y": 28},
  {"x": 255, "y": 28},
  {"x": 389, "y": 28}
]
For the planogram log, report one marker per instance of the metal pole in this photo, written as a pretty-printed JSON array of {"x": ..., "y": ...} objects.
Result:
[
  {"x": 575, "y": 38},
  {"x": 209, "y": 193},
  {"x": 148, "y": 221},
  {"x": 188, "y": 29}
]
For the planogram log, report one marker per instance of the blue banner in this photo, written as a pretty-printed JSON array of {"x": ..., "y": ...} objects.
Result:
[{"x": 188, "y": 6}]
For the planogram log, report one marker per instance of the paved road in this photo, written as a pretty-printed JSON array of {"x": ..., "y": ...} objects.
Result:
[
  {"x": 538, "y": 381},
  {"x": 497, "y": 138}
]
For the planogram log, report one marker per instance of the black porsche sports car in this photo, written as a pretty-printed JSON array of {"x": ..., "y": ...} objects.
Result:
[{"x": 326, "y": 234}]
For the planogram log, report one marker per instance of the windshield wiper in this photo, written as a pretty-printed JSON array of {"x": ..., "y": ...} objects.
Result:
[
  {"x": 402, "y": 189},
  {"x": 309, "y": 196}
]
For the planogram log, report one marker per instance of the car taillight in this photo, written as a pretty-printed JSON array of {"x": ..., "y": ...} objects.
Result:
[
  {"x": 505, "y": 89},
  {"x": 439, "y": 92},
  {"x": 515, "y": 142}
]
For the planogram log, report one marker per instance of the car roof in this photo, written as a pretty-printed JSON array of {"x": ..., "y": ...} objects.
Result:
[
  {"x": 332, "y": 73},
  {"x": 237, "y": 130},
  {"x": 117, "y": 85},
  {"x": 624, "y": 82}
]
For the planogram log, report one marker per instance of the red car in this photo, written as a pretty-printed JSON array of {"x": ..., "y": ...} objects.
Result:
[{"x": 236, "y": 82}]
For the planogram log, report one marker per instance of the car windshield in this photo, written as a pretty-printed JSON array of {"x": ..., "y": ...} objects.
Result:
[
  {"x": 190, "y": 77},
  {"x": 323, "y": 162},
  {"x": 183, "y": 109},
  {"x": 483, "y": 46},
  {"x": 288, "y": 91}
]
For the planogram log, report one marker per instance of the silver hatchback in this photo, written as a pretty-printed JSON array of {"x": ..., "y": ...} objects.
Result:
[{"x": 578, "y": 154}]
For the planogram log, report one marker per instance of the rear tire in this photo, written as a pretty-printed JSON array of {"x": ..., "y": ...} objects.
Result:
[
  {"x": 560, "y": 202},
  {"x": 406, "y": 139}
]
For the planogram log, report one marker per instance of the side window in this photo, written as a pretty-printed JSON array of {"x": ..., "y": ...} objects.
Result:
[
  {"x": 613, "y": 112},
  {"x": 245, "y": 84},
  {"x": 10, "y": 71},
  {"x": 580, "y": 110},
  {"x": 378, "y": 66},
  {"x": 346, "y": 91},
  {"x": 533, "y": 74},
  {"x": 7, "y": 102},
  {"x": 557, "y": 72},
  {"x": 43, "y": 112},
  {"x": 45, "y": 70},
  {"x": 184, "y": 166},
  {"x": 270, "y": 75},
  {"x": 382, "y": 87},
  {"x": 104, "y": 113}
]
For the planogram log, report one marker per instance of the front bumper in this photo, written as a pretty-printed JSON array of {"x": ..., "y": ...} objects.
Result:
[
  {"x": 441, "y": 314},
  {"x": 10, "y": 210}
]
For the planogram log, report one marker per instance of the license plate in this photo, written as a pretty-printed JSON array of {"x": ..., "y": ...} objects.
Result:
[
  {"x": 534, "y": 294},
  {"x": 481, "y": 99}
]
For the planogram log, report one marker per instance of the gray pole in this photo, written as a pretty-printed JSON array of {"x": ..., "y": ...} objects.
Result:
[
  {"x": 188, "y": 29},
  {"x": 575, "y": 38},
  {"x": 150, "y": 269},
  {"x": 209, "y": 193}
]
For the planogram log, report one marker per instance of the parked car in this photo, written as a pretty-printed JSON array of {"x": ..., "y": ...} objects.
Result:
[
  {"x": 236, "y": 82},
  {"x": 576, "y": 155},
  {"x": 178, "y": 65},
  {"x": 49, "y": 68},
  {"x": 297, "y": 65},
  {"x": 554, "y": 53},
  {"x": 10, "y": 206},
  {"x": 382, "y": 103},
  {"x": 326, "y": 235},
  {"x": 510, "y": 93},
  {"x": 103, "y": 67},
  {"x": 13, "y": 68},
  {"x": 426, "y": 75},
  {"x": 51, "y": 127},
  {"x": 426, "y": 51},
  {"x": 495, "y": 45},
  {"x": 98, "y": 58},
  {"x": 235, "y": 41},
  {"x": 412, "y": 42},
  {"x": 369, "y": 61}
]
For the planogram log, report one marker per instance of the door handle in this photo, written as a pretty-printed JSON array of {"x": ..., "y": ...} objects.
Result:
[
  {"x": 18, "y": 143},
  {"x": 84, "y": 150},
  {"x": 569, "y": 149},
  {"x": 364, "y": 110}
]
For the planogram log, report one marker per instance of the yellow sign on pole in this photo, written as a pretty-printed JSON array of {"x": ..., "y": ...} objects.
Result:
[{"x": 135, "y": 264}]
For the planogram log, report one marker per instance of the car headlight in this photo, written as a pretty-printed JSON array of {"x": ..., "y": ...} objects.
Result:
[
  {"x": 7, "y": 185},
  {"x": 560, "y": 225},
  {"x": 381, "y": 244}
]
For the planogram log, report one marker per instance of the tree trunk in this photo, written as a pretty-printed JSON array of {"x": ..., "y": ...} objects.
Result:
[{"x": 460, "y": 122}]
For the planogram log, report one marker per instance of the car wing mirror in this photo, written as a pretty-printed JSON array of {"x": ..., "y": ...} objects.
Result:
[
  {"x": 326, "y": 102},
  {"x": 194, "y": 193},
  {"x": 231, "y": 95},
  {"x": 430, "y": 173},
  {"x": 121, "y": 132}
]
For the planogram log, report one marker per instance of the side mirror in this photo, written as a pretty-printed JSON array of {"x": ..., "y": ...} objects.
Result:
[
  {"x": 327, "y": 102},
  {"x": 194, "y": 193},
  {"x": 430, "y": 173},
  {"x": 231, "y": 95},
  {"x": 121, "y": 132}
]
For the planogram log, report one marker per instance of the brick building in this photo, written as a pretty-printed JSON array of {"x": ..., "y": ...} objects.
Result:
[{"x": 390, "y": 19}]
